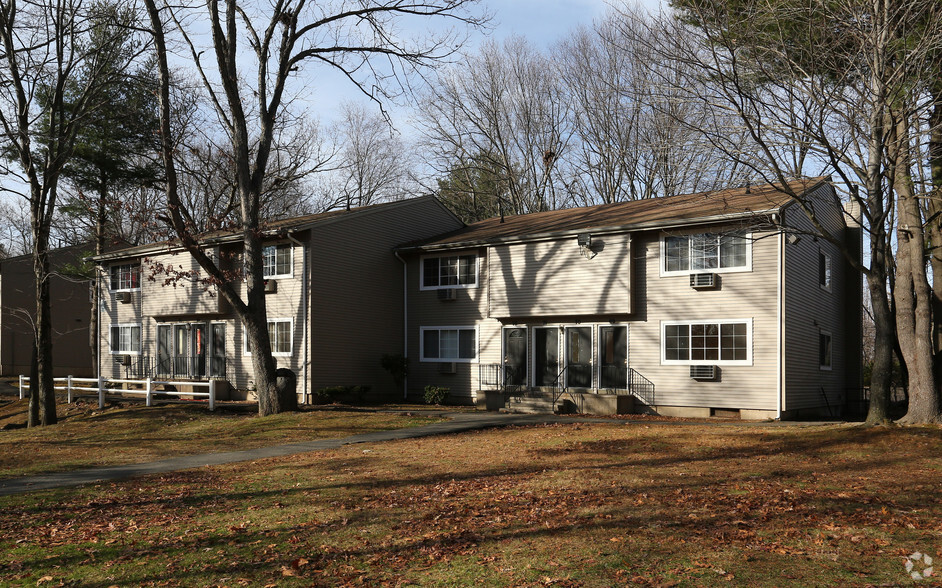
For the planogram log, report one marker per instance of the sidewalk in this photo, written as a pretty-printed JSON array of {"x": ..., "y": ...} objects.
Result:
[{"x": 456, "y": 423}]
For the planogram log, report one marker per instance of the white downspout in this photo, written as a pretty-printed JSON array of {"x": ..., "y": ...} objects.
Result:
[
  {"x": 304, "y": 312},
  {"x": 405, "y": 322},
  {"x": 98, "y": 272}
]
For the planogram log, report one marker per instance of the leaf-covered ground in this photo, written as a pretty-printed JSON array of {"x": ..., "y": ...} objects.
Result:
[
  {"x": 133, "y": 433},
  {"x": 562, "y": 505}
]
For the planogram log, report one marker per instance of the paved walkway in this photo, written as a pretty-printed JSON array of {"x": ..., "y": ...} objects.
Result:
[{"x": 454, "y": 423}]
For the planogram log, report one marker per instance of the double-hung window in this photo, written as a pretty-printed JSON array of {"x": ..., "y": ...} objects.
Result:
[
  {"x": 126, "y": 277},
  {"x": 449, "y": 343},
  {"x": 280, "y": 333},
  {"x": 719, "y": 342},
  {"x": 126, "y": 339},
  {"x": 454, "y": 271},
  {"x": 705, "y": 252},
  {"x": 276, "y": 261}
]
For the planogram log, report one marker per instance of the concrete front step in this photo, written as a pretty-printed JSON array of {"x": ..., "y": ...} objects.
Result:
[{"x": 529, "y": 405}]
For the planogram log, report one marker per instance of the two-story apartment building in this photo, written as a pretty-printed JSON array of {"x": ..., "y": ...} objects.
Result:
[
  {"x": 71, "y": 312},
  {"x": 695, "y": 305},
  {"x": 334, "y": 299}
]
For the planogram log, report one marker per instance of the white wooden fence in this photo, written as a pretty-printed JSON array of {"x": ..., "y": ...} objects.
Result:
[{"x": 100, "y": 385}]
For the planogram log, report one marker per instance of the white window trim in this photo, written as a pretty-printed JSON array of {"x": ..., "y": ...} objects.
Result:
[
  {"x": 829, "y": 269},
  {"x": 593, "y": 351},
  {"x": 290, "y": 274},
  {"x": 662, "y": 257},
  {"x": 139, "y": 277},
  {"x": 477, "y": 271},
  {"x": 290, "y": 353},
  {"x": 477, "y": 350},
  {"x": 825, "y": 368},
  {"x": 598, "y": 346},
  {"x": 125, "y": 325},
  {"x": 749, "y": 343}
]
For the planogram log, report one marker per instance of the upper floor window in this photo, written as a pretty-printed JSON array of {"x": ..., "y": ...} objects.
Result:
[
  {"x": 126, "y": 339},
  {"x": 126, "y": 277},
  {"x": 824, "y": 270},
  {"x": 276, "y": 260},
  {"x": 707, "y": 342},
  {"x": 454, "y": 271},
  {"x": 448, "y": 343},
  {"x": 705, "y": 252}
]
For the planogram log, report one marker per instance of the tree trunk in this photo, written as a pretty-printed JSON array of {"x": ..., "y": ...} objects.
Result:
[
  {"x": 43, "y": 341},
  {"x": 913, "y": 295},
  {"x": 33, "y": 419},
  {"x": 884, "y": 337},
  {"x": 934, "y": 225}
]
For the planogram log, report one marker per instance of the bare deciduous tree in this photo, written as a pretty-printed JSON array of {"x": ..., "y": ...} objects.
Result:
[
  {"x": 503, "y": 110},
  {"x": 55, "y": 61},
  {"x": 277, "y": 42}
]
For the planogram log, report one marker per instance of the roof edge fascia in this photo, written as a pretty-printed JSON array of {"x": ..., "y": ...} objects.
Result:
[{"x": 537, "y": 237}]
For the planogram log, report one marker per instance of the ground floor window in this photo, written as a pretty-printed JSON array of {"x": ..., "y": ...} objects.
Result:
[
  {"x": 718, "y": 342},
  {"x": 448, "y": 343},
  {"x": 280, "y": 333},
  {"x": 126, "y": 339}
]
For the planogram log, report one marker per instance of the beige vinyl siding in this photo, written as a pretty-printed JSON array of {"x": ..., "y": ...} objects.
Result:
[
  {"x": 554, "y": 278},
  {"x": 185, "y": 295},
  {"x": 809, "y": 309},
  {"x": 749, "y": 295},
  {"x": 357, "y": 291},
  {"x": 467, "y": 310}
]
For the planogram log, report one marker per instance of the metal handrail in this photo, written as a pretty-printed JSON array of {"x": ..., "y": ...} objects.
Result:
[
  {"x": 559, "y": 391},
  {"x": 640, "y": 387}
]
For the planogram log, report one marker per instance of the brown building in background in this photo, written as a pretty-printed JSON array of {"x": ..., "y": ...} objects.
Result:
[{"x": 71, "y": 311}]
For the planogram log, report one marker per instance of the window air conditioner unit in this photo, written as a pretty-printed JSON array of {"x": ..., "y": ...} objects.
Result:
[
  {"x": 448, "y": 294},
  {"x": 703, "y": 372},
  {"x": 449, "y": 367},
  {"x": 703, "y": 281},
  {"x": 124, "y": 297},
  {"x": 271, "y": 286},
  {"x": 123, "y": 360}
]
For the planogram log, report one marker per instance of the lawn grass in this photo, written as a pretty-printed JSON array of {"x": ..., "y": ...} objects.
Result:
[
  {"x": 133, "y": 433},
  {"x": 559, "y": 505}
]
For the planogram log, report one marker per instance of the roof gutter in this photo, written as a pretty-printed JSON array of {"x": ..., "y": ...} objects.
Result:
[{"x": 595, "y": 231}]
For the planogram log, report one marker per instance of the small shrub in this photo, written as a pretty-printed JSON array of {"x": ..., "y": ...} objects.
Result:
[
  {"x": 337, "y": 393},
  {"x": 435, "y": 394},
  {"x": 397, "y": 365}
]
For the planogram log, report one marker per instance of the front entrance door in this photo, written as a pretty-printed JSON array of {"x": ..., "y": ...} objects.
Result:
[
  {"x": 545, "y": 355},
  {"x": 579, "y": 357},
  {"x": 181, "y": 350},
  {"x": 613, "y": 357},
  {"x": 198, "y": 343},
  {"x": 515, "y": 356}
]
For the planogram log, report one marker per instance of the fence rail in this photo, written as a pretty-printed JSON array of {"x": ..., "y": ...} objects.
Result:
[{"x": 73, "y": 384}]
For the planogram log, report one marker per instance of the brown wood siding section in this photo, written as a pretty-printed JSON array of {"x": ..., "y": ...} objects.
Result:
[
  {"x": 809, "y": 309},
  {"x": 553, "y": 278},
  {"x": 750, "y": 295},
  {"x": 357, "y": 289},
  {"x": 70, "y": 307}
]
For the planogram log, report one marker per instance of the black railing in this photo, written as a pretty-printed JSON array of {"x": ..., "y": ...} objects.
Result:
[
  {"x": 613, "y": 379},
  {"x": 560, "y": 388},
  {"x": 508, "y": 379},
  {"x": 175, "y": 368},
  {"x": 640, "y": 387}
]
